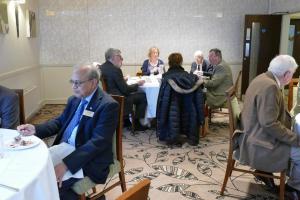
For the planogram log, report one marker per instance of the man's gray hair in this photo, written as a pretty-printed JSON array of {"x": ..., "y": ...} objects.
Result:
[
  {"x": 281, "y": 64},
  {"x": 111, "y": 52},
  {"x": 198, "y": 54},
  {"x": 92, "y": 71}
]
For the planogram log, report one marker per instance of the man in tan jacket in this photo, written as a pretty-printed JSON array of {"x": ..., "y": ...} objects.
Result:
[
  {"x": 220, "y": 81},
  {"x": 267, "y": 141}
]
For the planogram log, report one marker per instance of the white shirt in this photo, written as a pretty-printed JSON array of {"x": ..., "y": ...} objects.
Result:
[{"x": 72, "y": 138}]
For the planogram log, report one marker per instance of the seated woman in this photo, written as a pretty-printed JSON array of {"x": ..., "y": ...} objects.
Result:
[
  {"x": 153, "y": 65},
  {"x": 180, "y": 104}
]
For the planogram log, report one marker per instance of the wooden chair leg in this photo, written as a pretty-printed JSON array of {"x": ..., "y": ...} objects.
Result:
[
  {"x": 232, "y": 166},
  {"x": 94, "y": 190},
  {"x": 227, "y": 175},
  {"x": 282, "y": 185},
  {"x": 122, "y": 179},
  {"x": 82, "y": 197}
]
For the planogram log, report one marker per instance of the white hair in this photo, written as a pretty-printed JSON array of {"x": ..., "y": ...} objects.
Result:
[
  {"x": 198, "y": 53},
  {"x": 281, "y": 64},
  {"x": 92, "y": 72}
]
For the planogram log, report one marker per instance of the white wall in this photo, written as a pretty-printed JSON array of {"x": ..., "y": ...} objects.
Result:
[
  {"x": 77, "y": 30},
  {"x": 283, "y": 6},
  {"x": 19, "y": 58},
  {"x": 73, "y": 31}
]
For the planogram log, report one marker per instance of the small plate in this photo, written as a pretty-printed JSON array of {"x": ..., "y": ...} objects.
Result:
[{"x": 12, "y": 145}]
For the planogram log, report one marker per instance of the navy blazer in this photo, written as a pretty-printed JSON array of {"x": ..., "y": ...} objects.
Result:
[
  {"x": 146, "y": 70},
  {"x": 205, "y": 65},
  {"x": 93, "y": 141},
  {"x": 113, "y": 76},
  {"x": 9, "y": 108}
]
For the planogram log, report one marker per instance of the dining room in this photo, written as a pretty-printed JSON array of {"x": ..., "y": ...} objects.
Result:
[{"x": 40, "y": 41}]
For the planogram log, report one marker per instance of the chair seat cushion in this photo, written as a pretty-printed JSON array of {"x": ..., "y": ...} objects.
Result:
[{"x": 85, "y": 184}]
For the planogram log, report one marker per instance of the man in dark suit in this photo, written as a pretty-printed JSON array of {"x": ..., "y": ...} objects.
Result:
[
  {"x": 9, "y": 108},
  {"x": 91, "y": 135},
  {"x": 116, "y": 84}
]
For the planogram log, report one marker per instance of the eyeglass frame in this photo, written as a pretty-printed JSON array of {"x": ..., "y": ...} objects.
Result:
[
  {"x": 119, "y": 55},
  {"x": 78, "y": 83}
]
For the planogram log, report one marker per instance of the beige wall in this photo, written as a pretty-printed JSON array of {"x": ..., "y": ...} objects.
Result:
[
  {"x": 19, "y": 58},
  {"x": 73, "y": 31}
]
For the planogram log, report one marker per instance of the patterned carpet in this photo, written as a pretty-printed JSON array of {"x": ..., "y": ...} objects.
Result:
[{"x": 187, "y": 172}]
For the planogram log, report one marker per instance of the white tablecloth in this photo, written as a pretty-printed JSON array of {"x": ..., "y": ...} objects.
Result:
[
  {"x": 30, "y": 170},
  {"x": 151, "y": 89}
]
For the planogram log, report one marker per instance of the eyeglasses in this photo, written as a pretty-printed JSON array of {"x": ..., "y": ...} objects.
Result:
[
  {"x": 120, "y": 57},
  {"x": 78, "y": 83}
]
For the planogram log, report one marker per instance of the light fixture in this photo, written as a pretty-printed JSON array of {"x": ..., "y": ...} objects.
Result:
[{"x": 18, "y": 1}]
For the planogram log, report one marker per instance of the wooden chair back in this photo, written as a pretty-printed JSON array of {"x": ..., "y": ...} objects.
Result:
[
  {"x": 119, "y": 156},
  {"x": 234, "y": 112},
  {"x": 20, "y": 93},
  {"x": 237, "y": 82},
  {"x": 292, "y": 84},
  {"x": 104, "y": 85},
  {"x": 138, "y": 192}
]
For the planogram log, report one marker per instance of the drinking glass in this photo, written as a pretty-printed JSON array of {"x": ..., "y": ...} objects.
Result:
[{"x": 1, "y": 145}]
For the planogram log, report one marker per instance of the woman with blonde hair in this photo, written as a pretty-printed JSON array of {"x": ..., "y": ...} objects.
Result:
[{"x": 153, "y": 65}]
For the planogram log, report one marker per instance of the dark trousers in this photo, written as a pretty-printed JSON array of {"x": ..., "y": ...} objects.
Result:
[
  {"x": 66, "y": 192},
  {"x": 139, "y": 100}
]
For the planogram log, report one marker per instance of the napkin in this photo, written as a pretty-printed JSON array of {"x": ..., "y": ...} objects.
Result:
[{"x": 59, "y": 152}]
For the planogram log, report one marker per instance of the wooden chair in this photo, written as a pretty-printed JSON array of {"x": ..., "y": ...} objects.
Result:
[
  {"x": 236, "y": 88},
  {"x": 139, "y": 73},
  {"x": 83, "y": 186},
  {"x": 234, "y": 112},
  {"x": 138, "y": 192},
  {"x": 292, "y": 85},
  {"x": 236, "y": 83},
  {"x": 20, "y": 93},
  {"x": 104, "y": 85}
]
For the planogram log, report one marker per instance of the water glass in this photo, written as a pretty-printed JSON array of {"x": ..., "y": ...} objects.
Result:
[
  {"x": 1, "y": 145},
  {"x": 161, "y": 69}
]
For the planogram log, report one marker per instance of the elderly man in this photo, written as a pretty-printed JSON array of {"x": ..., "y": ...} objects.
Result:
[
  {"x": 267, "y": 139},
  {"x": 9, "y": 108},
  {"x": 116, "y": 84},
  {"x": 87, "y": 123},
  {"x": 221, "y": 79},
  {"x": 200, "y": 64}
]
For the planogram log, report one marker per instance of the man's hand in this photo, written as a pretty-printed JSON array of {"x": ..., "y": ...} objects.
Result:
[
  {"x": 126, "y": 77},
  {"x": 26, "y": 129},
  {"x": 141, "y": 82},
  {"x": 60, "y": 170}
]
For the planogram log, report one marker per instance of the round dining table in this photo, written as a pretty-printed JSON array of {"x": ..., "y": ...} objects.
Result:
[
  {"x": 151, "y": 89},
  {"x": 26, "y": 172}
]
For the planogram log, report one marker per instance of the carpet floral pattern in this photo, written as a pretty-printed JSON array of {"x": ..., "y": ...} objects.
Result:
[{"x": 186, "y": 172}]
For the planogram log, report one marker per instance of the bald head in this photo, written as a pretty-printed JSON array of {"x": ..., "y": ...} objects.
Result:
[{"x": 85, "y": 78}]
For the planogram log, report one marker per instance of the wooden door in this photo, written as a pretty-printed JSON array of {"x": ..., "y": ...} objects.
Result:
[{"x": 261, "y": 44}]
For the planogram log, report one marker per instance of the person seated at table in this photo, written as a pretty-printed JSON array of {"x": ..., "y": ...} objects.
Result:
[
  {"x": 153, "y": 65},
  {"x": 220, "y": 81},
  {"x": 266, "y": 142},
  {"x": 9, "y": 108},
  {"x": 200, "y": 64},
  {"x": 180, "y": 104},
  {"x": 87, "y": 123},
  {"x": 116, "y": 84}
]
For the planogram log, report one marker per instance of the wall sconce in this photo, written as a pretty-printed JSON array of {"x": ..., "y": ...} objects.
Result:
[{"x": 18, "y": 1}]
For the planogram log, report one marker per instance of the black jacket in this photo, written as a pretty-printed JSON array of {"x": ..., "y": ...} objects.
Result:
[
  {"x": 113, "y": 76},
  {"x": 180, "y": 106}
]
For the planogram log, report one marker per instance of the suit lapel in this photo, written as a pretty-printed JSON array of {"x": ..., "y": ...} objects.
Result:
[{"x": 92, "y": 107}]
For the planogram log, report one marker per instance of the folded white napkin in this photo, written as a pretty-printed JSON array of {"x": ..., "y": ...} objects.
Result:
[{"x": 59, "y": 152}]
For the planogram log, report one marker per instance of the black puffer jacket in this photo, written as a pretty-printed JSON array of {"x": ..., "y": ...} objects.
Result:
[{"x": 180, "y": 106}]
